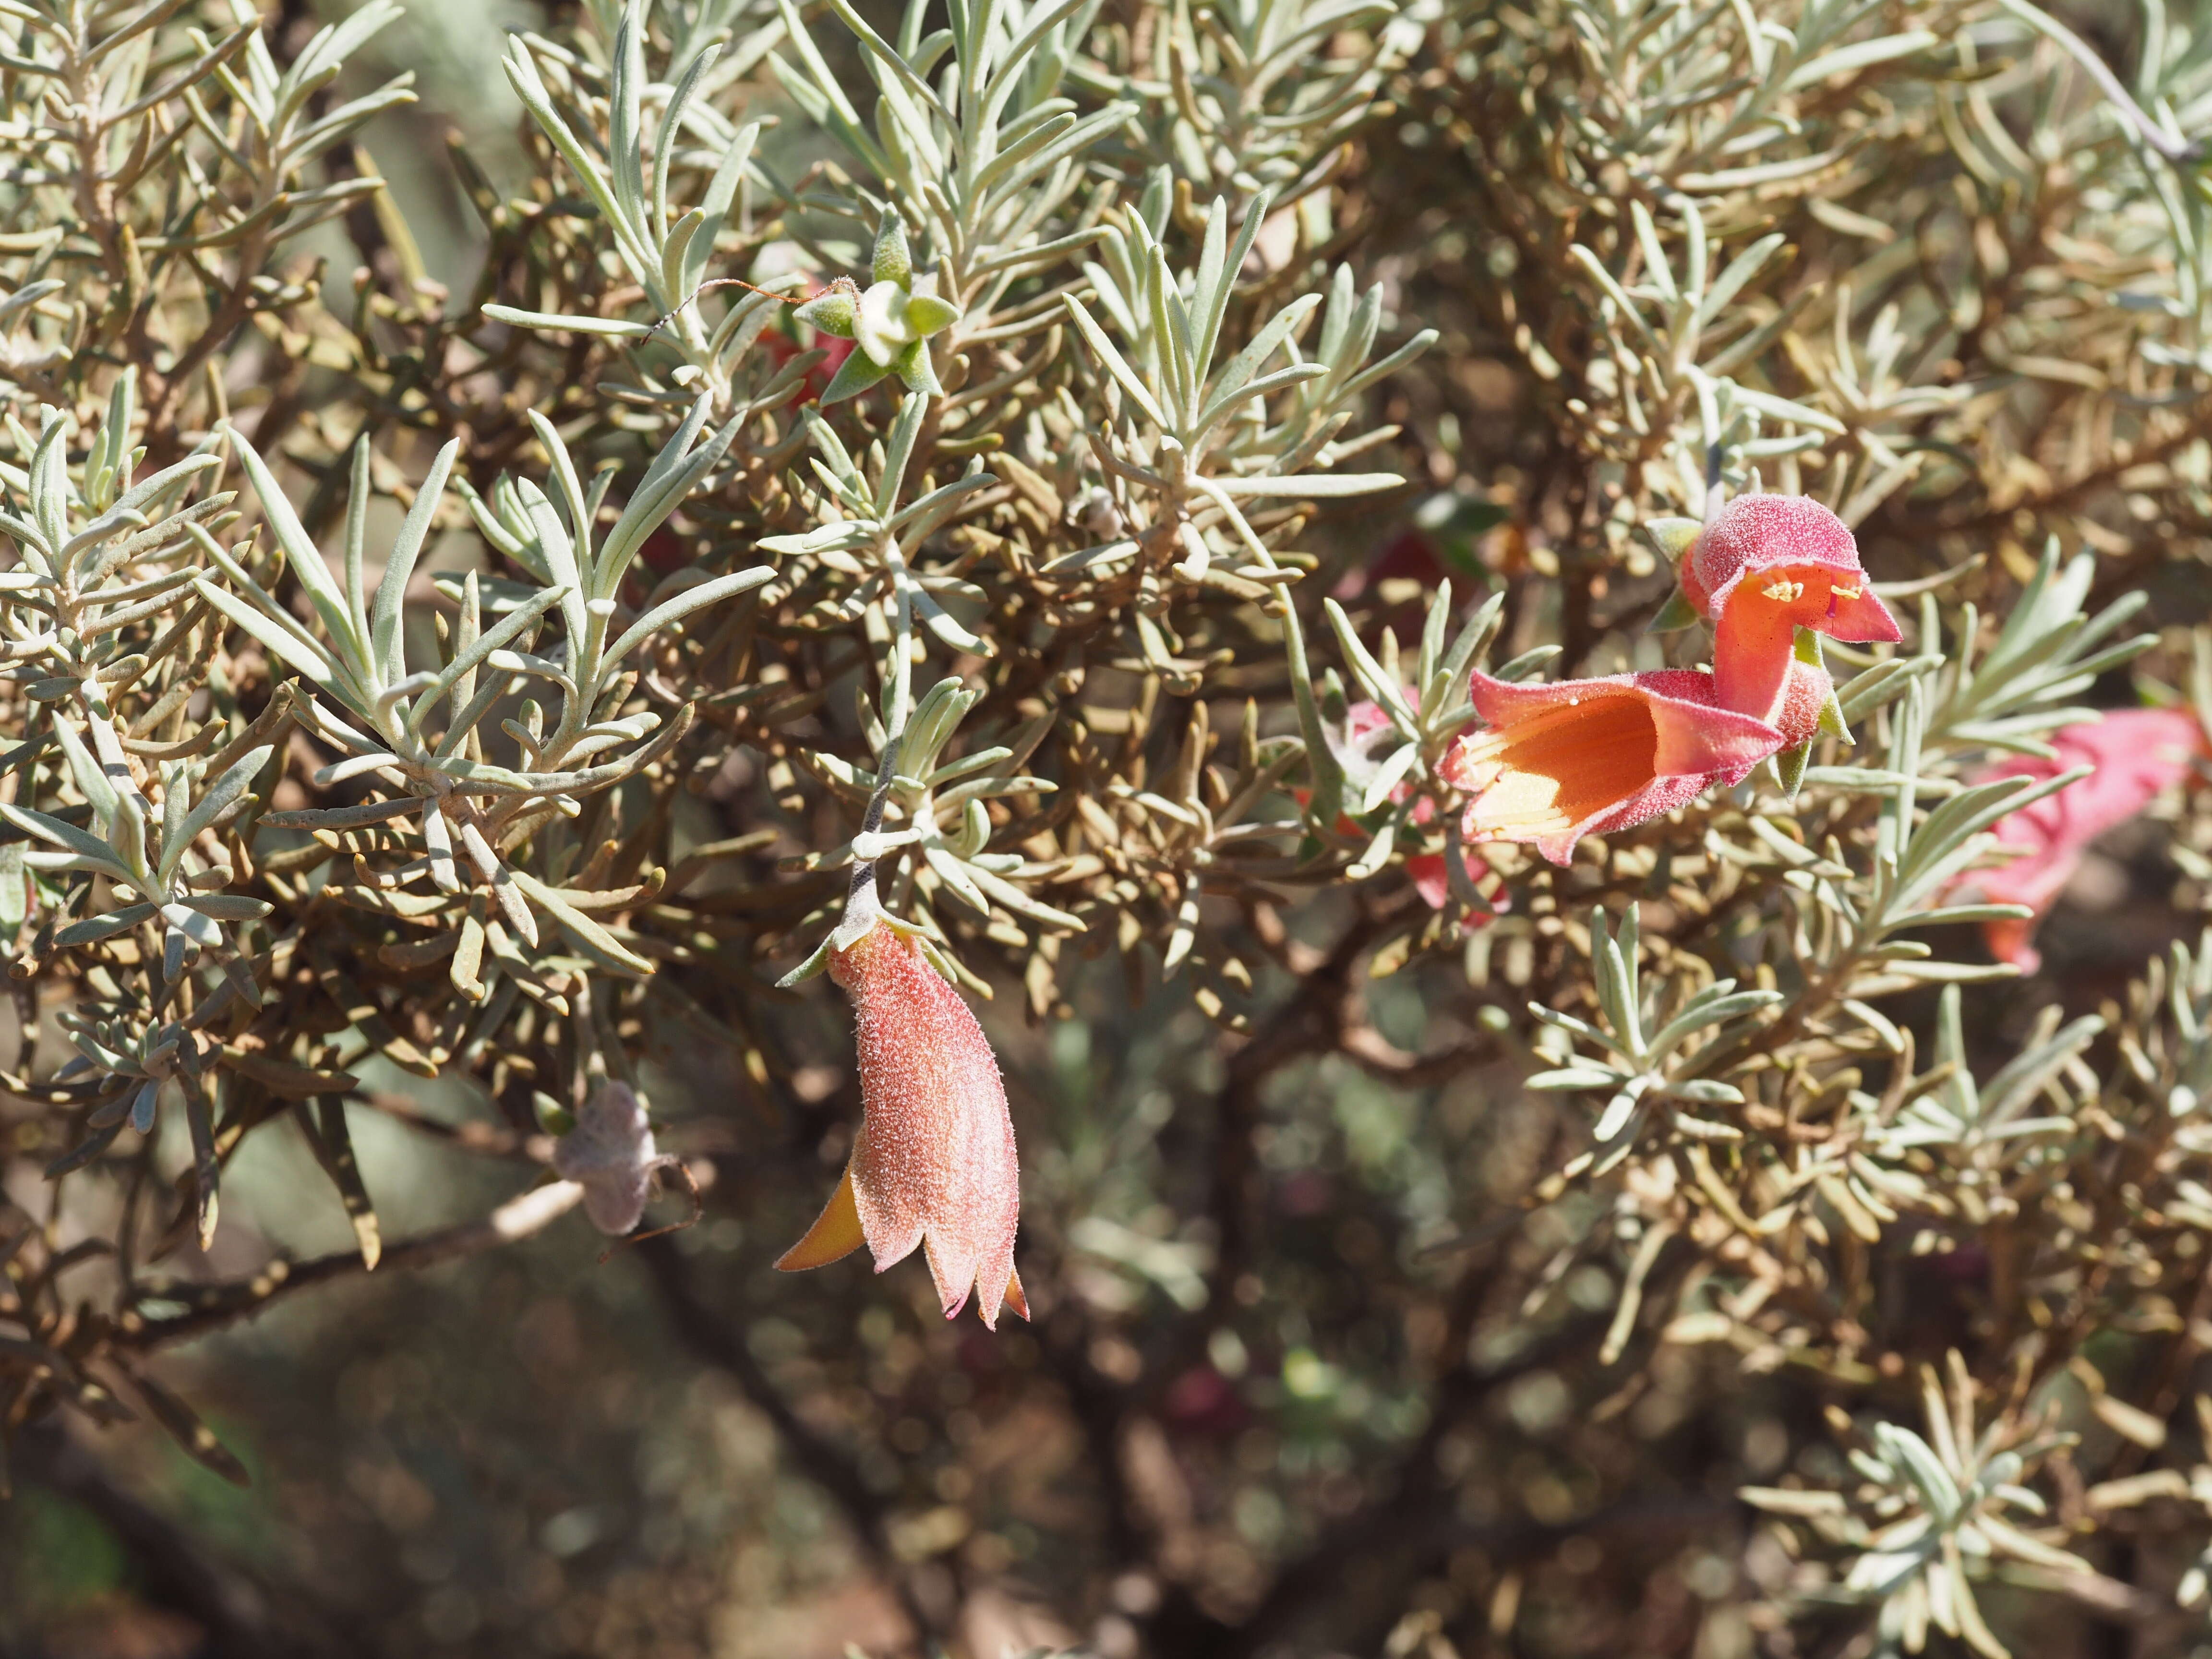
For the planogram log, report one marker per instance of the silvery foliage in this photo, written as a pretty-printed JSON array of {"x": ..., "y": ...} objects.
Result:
[
  {"x": 1197, "y": 439},
  {"x": 979, "y": 156},
  {"x": 664, "y": 247},
  {"x": 936, "y": 809},
  {"x": 418, "y": 731},
  {"x": 875, "y": 537},
  {"x": 1693, "y": 118},
  {"x": 980, "y": 165},
  {"x": 917, "y": 800},
  {"x": 99, "y": 557},
  {"x": 984, "y": 153},
  {"x": 1935, "y": 1514},
  {"x": 93, "y": 82},
  {"x": 101, "y": 554},
  {"x": 1250, "y": 110},
  {"x": 2161, "y": 124},
  {"x": 143, "y": 818},
  {"x": 280, "y": 130}
]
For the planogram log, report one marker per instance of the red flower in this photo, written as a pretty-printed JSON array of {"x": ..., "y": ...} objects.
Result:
[
  {"x": 1553, "y": 763},
  {"x": 2138, "y": 754},
  {"x": 933, "y": 1164},
  {"x": 1764, "y": 567}
]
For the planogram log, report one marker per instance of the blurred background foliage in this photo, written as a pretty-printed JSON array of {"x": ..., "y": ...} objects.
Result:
[{"x": 1321, "y": 1362}]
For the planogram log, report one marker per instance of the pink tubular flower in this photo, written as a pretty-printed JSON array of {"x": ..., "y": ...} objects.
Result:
[
  {"x": 1764, "y": 567},
  {"x": 934, "y": 1164},
  {"x": 2138, "y": 754},
  {"x": 1553, "y": 763}
]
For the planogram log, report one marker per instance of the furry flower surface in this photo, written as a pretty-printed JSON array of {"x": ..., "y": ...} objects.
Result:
[
  {"x": 1797, "y": 710},
  {"x": 1553, "y": 763},
  {"x": 2138, "y": 754},
  {"x": 1764, "y": 567},
  {"x": 933, "y": 1164}
]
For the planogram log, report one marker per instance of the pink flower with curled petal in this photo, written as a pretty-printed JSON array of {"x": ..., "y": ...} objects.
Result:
[
  {"x": 933, "y": 1164},
  {"x": 2138, "y": 754},
  {"x": 1764, "y": 567},
  {"x": 1552, "y": 763}
]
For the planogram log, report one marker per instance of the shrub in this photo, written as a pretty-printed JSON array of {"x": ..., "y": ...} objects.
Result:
[{"x": 1246, "y": 493}]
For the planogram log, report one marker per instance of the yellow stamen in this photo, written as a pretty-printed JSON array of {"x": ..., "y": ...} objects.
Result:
[{"x": 1785, "y": 591}]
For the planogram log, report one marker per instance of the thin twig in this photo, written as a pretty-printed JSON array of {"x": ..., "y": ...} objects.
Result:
[{"x": 214, "y": 1306}]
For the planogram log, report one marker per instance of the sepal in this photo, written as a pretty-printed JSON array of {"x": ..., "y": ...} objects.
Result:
[
  {"x": 1790, "y": 768},
  {"x": 928, "y": 314},
  {"x": 1671, "y": 537},
  {"x": 891, "y": 261},
  {"x": 806, "y": 969},
  {"x": 854, "y": 375},
  {"x": 1830, "y": 722},
  {"x": 941, "y": 959},
  {"x": 833, "y": 311},
  {"x": 1676, "y": 615},
  {"x": 913, "y": 365}
]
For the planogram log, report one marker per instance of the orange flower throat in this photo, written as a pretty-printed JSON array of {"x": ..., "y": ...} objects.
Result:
[{"x": 1557, "y": 767}]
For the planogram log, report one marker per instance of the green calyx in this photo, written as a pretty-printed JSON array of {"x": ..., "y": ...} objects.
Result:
[
  {"x": 1808, "y": 650},
  {"x": 1789, "y": 767},
  {"x": 891, "y": 321},
  {"x": 833, "y": 312},
  {"x": 1671, "y": 539}
]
